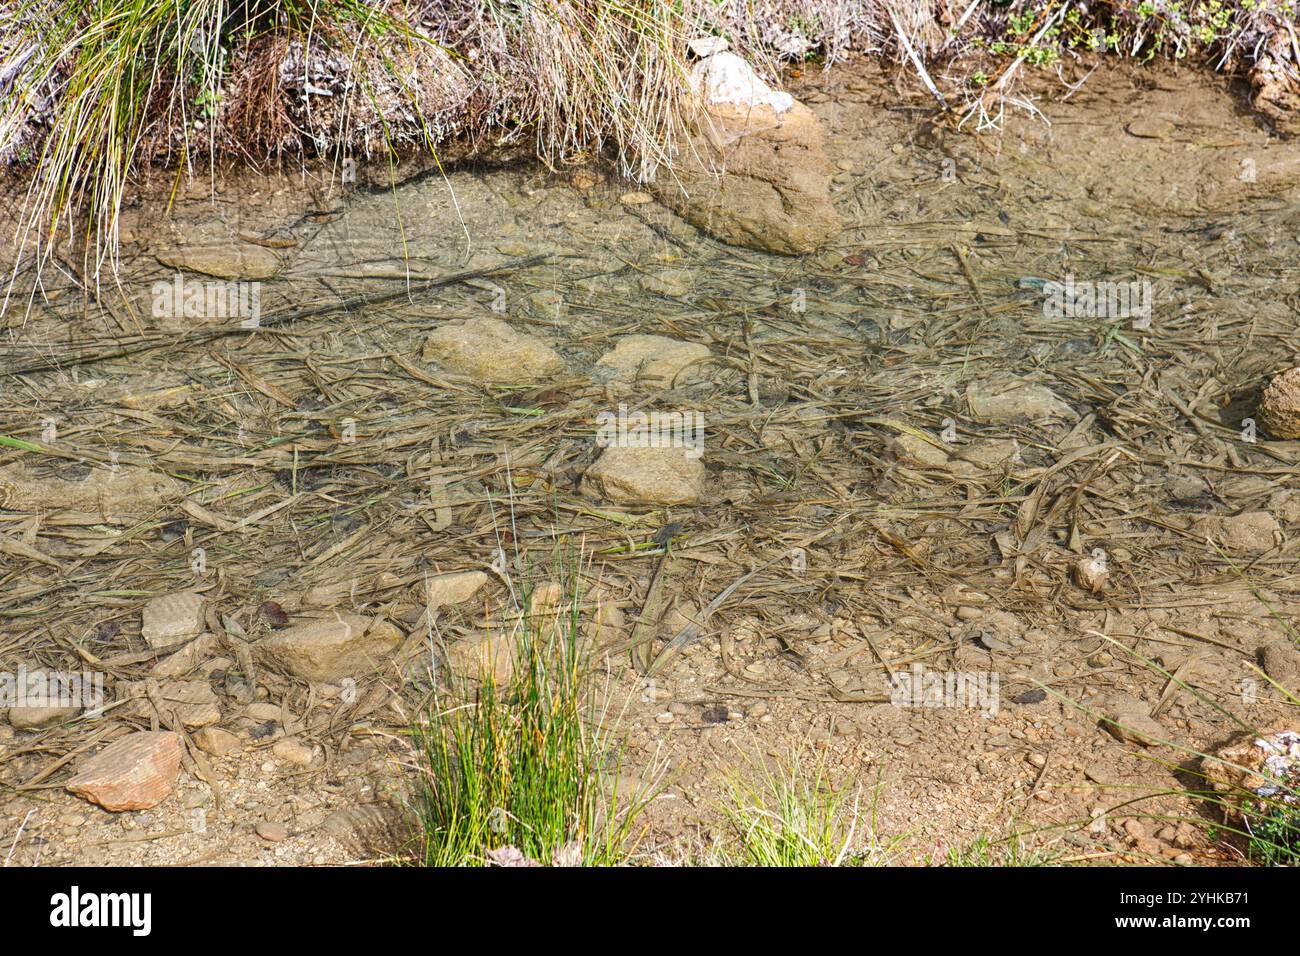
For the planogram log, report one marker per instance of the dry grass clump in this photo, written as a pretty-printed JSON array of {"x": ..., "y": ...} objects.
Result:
[{"x": 93, "y": 91}]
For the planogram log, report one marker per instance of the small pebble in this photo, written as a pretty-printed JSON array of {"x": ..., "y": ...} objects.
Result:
[
  {"x": 294, "y": 751},
  {"x": 272, "y": 832}
]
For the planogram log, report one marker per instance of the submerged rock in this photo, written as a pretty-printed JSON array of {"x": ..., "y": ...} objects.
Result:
[
  {"x": 214, "y": 249},
  {"x": 172, "y": 618},
  {"x": 229, "y": 262},
  {"x": 333, "y": 648},
  {"x": 1128, "y": 720},
  {"x": 753, "y": 171},
  {"x": 192, "y": 702},
  {"x": 653, "y": 359},
  {"x": 991, "y": 453},
  {"x": 673, "y": 283},
  {"x": 110, "y": 493},
  {"x": 489, "y": 350},
  {"x": 916, "y": 452},
  {"x": 646, "y": 476},
  {"x": 455, "y": 587},
  {"x": 1251, "y": 532},
  {"x": 996, "y": 403}
]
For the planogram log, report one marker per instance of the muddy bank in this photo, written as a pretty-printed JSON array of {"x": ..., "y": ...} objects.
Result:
[
  {"x": 571, "y": 82},
  {"x": 865, "y": 477}
]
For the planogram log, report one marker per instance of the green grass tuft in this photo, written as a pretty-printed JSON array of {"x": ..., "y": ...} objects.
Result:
[{"x": 529, "y": 764}]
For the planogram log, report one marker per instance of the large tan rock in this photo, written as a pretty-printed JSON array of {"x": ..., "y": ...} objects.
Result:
[
  {"x": 652, "y": 359},
  {"x": 753, "y": 170},
  {"x": 35, "y": 718},
  {"x": 136, "y": 772},
  {"x": 489, "y": 350},
  {"x": 111, "y": 493},
  {"x": 455, "y": 587},
  {"x": 483, "y": 655},
  {"x": 332, "y": 648},
  {"x": 1128, "y": 719},
  {"x": 172, "y": 618},
  {"x": 646, "y": 476}
]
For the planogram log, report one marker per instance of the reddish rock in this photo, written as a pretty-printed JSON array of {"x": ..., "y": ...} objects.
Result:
[{"x": 134, "y": 773}]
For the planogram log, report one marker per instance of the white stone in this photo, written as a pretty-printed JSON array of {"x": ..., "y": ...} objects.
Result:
[
  {"x": 708, "y": 46},
  {"x": 726, "y": 78}
]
